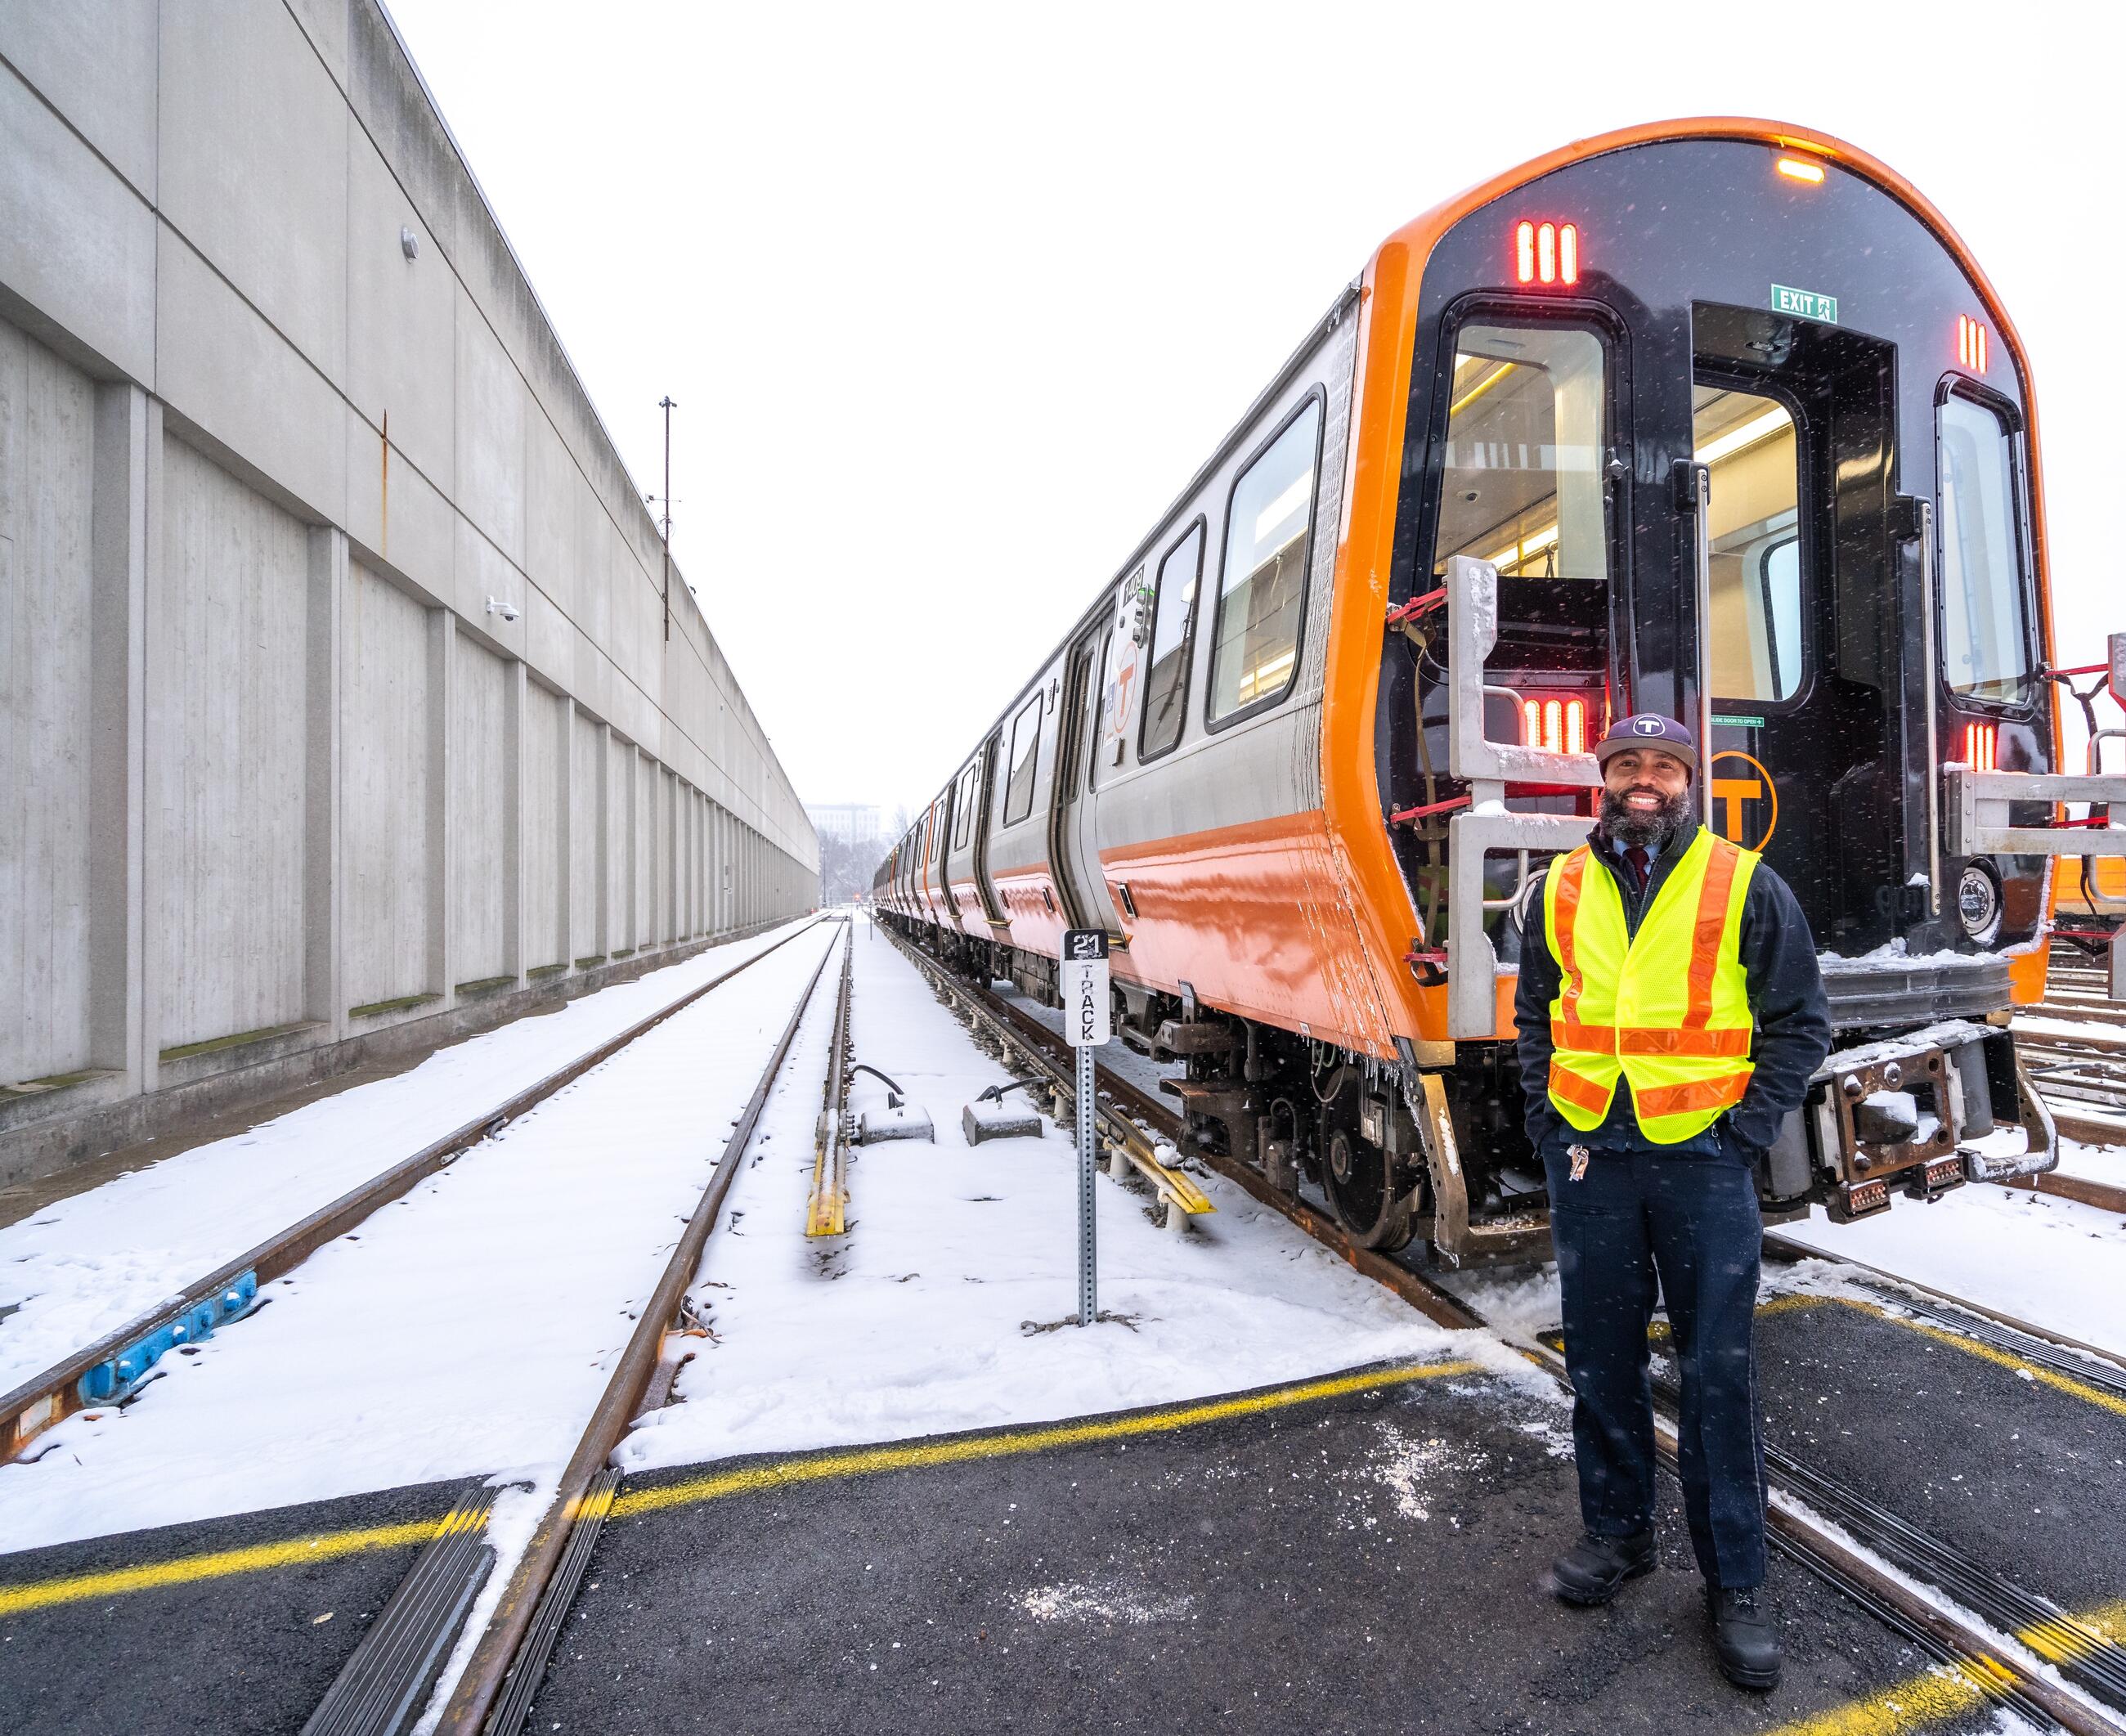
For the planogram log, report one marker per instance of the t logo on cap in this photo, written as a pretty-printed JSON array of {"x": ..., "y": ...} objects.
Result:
[{"x": 1647, "y": 726}]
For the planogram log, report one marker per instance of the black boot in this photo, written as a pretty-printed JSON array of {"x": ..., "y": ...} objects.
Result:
[
  {"x": 1591, "y": 1570},
  {"x": 1744, "y": 1639}
]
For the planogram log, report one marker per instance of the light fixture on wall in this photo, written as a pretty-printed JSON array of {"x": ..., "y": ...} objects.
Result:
[
  {"x": 507, "y": 611},
  {"x": 409, "y": 243}
]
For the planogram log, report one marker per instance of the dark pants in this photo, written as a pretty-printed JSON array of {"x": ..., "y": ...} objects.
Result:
[{"x": 1690, "y": 1225}]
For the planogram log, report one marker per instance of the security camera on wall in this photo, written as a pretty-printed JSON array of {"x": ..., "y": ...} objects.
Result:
[{"x": 507, "y": 611}]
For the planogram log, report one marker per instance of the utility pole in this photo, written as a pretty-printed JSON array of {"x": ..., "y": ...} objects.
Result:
[{"x": 668, "y": 406}]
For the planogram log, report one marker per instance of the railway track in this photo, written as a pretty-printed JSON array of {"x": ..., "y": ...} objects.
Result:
[
  {"x": 380, "y": 1692},
  {"x": 1837, "y": 1532},
  {"x": 110, "y": 1370}
]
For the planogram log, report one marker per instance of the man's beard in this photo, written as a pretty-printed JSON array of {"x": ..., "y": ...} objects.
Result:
[{"x": 1644, "y": 828}]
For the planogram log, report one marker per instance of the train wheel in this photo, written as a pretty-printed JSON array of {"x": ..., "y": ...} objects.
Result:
[{"x": 1355, "y": 1176}]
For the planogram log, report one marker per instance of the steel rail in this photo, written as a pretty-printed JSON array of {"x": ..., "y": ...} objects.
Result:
[
  {"x": 501, "y": 1650},
  {"x": 1800, "y": 1535},
  {"x": 1789, "y": 1252},
  {"x": 49, "y": 1397}
]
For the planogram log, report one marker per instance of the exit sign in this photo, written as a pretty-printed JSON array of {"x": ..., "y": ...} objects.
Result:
[{"x": 1804, "y": 304}]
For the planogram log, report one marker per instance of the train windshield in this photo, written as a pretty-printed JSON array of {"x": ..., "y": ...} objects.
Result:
[
  {"x": 1748, "y": 443},
  {"x": 1986, "y": 640},
  {"x": 1524, "y": 453}
]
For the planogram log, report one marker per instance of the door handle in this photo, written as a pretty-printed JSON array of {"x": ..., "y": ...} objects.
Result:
[{"x": 1693, "y": 485}]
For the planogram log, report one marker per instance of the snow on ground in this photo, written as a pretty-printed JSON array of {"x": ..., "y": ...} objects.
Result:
[
  {"x": 88, "y": 1264},
  {"x": 468, "y": 1330},
  {"x": 2091, "y": 1162},
  {"x": 2054, "y": 1263},
  {"x": 946, "y": 1304}
]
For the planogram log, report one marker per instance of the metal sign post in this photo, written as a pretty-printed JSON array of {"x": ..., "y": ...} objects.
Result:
[{"x": 1082, "y": 977}]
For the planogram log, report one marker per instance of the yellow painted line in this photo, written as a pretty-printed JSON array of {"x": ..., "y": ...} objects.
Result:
[
  {"x": 1984, "y": 1352},
  {"x": 1910, "y": 1704},
  {"x": 2076, "y": 1636},
  {"x": 869, "y": 1461},
  {"x": 226, "y": 1563}
]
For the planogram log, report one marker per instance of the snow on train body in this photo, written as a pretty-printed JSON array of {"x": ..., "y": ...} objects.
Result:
[{"x": 1298, "y": 755}]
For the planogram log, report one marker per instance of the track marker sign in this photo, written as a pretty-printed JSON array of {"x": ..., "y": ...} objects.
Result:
[{"x": 1082, "y": 977}]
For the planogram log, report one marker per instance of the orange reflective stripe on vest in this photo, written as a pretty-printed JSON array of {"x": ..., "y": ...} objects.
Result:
[
  {"x": 1698, "y": 1093},
  {"x": 1711, "y": 921},
  {"x": 1571, "y": 1086},
  {"x": 1568, "y": 913}
]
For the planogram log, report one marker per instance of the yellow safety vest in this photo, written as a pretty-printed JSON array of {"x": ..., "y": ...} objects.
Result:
[{"x": 1668, "y": 1008}]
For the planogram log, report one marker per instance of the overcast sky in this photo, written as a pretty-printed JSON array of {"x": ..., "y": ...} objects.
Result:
[{"x": 954, "y": 299}]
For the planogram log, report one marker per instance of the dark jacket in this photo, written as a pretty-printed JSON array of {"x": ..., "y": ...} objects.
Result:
[{"x": 1786, "y": 997}]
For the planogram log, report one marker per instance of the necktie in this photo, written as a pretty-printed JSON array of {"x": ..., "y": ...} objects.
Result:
[{"x": 1636, "y": 856}]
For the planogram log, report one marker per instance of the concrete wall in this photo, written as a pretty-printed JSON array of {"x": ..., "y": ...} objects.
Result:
[{"x": 336, "y": 702}]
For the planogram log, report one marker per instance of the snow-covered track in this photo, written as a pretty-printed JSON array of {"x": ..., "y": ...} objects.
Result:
[
  {"x": 495, "y": 1690},
  {"x": 105, "y": 1371},
  {"x": 1960, "y": 1624}
]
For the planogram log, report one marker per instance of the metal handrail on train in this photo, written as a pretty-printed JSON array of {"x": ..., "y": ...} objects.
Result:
[{"x": 1486, "y": 824}]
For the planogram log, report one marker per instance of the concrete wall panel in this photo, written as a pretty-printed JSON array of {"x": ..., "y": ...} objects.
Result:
[
  {"x": 252, "y": 159},
  {"x": 226, "y": 700},
  {"x": 584, "y": 844},
  {"x": 97, "y": 68},
  {"x": 480, "y": 815},
  {"x": 388, "y": 717},
  {"x": 546, "y": 941},
  {"x": 401, "y": 318},
  {"x": 491, "y": 411},
  {"x": 47, "y": 447},
  {"x": 76, "y": 244},
  {"x": 224, "y": 368}
]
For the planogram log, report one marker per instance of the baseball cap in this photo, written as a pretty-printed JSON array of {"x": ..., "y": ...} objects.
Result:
[{"x": 1649, "y": 729}]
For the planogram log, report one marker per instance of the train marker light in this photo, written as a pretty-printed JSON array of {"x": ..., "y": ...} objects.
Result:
[
  {"x": 1559, "y": 725},
  {"x": 1982, "y": 743},
  {"x": 1794, "y": 169},
  {"x": 1970, "y": 344},
  {"x": 1545, "y": 252}
]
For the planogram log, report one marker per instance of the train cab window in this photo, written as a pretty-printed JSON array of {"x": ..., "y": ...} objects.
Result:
[
  {"x": 1173, "y": 632},
  {"x": 1985, "y": 639},
  {"x": 1523, "y": 483},
  {"x": 1025, "y": 744},
  {"x": 1750, "y": 445},
  {"x": 1254, "y": 645}
]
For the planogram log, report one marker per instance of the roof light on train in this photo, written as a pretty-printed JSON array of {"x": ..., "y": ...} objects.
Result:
[
  {"x": 1794, "y": 169},
  {"x": 1970, "y": 343},
  {"x": 1545, "y": 252}
]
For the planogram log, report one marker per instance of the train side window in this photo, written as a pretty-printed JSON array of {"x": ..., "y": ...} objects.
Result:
[
  {"x": 963, "y": 803},
  {"x": 1173, "y": 635},
  {"x": 1025, "y": 744},
  {"x": 1269, "y": 520},
  {"x": 1525, "y": 447},
  {"x": 1985, "y": 620},
  {"x": 1750, "y": 446}
]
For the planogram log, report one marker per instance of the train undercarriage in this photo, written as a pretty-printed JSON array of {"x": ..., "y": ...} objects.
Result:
[{"x": 1923, "y": 1079}]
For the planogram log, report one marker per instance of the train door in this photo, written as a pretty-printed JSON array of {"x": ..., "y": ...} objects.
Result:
[
  {"x": 1072, "y": 848},
  {"x": 986, "y": 765},
  {"x": 1793, "y": 423}
]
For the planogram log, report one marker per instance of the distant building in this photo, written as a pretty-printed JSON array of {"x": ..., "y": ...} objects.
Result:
[{"x": 856, "y": 824}]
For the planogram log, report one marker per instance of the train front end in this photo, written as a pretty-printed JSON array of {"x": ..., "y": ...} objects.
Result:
[{"x": 1720, "y": 421}]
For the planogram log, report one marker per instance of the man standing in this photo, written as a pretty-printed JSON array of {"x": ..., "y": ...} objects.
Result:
[{"x": 1670, "y": 1013}]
